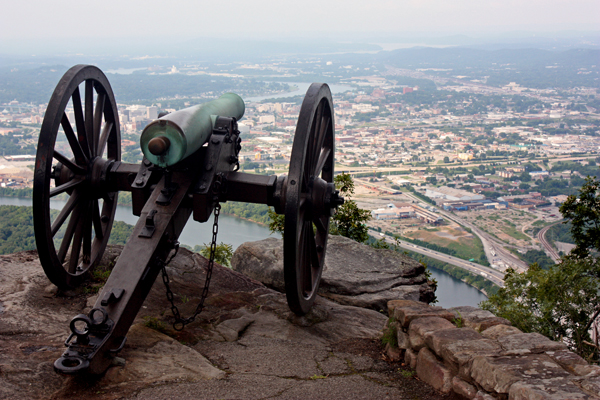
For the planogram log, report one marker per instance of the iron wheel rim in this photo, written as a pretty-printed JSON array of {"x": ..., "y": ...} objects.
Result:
[{"x": 93, "y": 140}]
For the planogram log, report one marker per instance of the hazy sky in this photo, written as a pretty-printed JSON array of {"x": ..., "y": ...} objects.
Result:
[{"x": 46, "y": 20}]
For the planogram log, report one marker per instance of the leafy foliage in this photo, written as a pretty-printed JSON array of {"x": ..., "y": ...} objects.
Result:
[
  {"x": 563, "y": 301},
  {"x": 17, "y": 234},
  {"x": 223, "y": 253},
  {"x": 16, "y": 229},
  {"x": 584, "y": 212},
  {"x": 558, "y": 303},
  {"x": 349, "y": 220},
  {"x": 253, "y": 212},
  {"x": 538, "y": 257}
]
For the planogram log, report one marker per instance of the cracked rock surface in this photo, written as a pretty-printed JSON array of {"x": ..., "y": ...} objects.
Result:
[
  {"x": 353, "y": 274},
  {"x": 245, "y": 345}
]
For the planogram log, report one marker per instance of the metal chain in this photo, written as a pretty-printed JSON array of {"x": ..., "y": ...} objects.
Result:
[{"x": 180, "y": 322}]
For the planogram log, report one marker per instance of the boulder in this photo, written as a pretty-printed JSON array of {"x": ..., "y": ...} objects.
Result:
[{"x": 353, "y": 274}]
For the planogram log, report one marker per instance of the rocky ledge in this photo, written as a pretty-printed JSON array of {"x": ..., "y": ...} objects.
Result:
[
  {"x": 473, "y": 354},
  {"x": 353, "y": 274},
  {"x": 246, "y": 343}
]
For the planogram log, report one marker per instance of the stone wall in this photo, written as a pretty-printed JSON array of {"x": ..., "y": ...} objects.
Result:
[{"x": 476, "y": 355}]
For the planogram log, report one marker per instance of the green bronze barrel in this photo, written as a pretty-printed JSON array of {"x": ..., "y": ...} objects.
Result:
[{"x": 171, "y": 138}]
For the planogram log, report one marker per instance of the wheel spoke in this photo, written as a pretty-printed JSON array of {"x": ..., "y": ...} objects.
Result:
[
  {"x": 322, "y": 160},
  {"x": 65, "y": 186},
  {"x": 305, "y": 265},
  {"x": 97, "y": 221},
  {"x": 80, "y": 122},
  {"x": 302, "y": 204},
  {"x": 320, "y": 143},
  {"x": 80, "y": 156},
  {"x": 87, "y": 234},
  {"x": 98, "y": 113},
  {"x": 66, "y": 242},
  {"x": 104, "y": 138},
  {"x": 76, "y": 246},
  {"x": 314, "y": 256},
  {"x": 309, "y": 161},
  {"x": 64, "y": 213},
  {"x": 89, "y": 114},
  {"x": 321, "y": 226},
  {"x": 76, "y": 169}
]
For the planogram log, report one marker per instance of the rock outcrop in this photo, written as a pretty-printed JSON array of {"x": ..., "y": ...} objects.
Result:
[
  {"x": 245, "y": 344},
  {"x": 353, "y": 274},
  {"x": 476, "y": 355}
]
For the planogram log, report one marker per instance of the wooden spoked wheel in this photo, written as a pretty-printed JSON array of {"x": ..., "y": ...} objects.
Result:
[
  {"x": 308, "y": 188},
  {"x": 79, "y": 140}
]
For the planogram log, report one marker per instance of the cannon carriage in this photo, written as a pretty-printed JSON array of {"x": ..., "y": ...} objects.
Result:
[{"x": 190, "y": 166}]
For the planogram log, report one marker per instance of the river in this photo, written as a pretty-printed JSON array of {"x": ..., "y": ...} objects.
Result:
[{"x": 451, "y": 292}]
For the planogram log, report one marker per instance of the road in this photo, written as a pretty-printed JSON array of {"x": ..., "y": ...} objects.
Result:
[
  {"x": 488, "y": 273},
  {"x": 549, "y": 249}
]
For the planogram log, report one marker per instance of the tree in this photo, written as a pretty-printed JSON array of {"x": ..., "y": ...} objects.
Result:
[
  {"x": 525, "y": 177},
  {"x": 563, "y": 301},
  {"x": 223, "y": 253},
  {"x": 584, "y": 213}
]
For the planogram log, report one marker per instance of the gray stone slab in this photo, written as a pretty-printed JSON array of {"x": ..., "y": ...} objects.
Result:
[
  {"x": 497, "y": 331},
  {"x": 547, "y": 389},
  {"x": 419, "y": 328},
  {"x": 527, "y": 343},
  {"x": 436, "y": 340},
  {"x": 498, "y": 374},
  {"x": 405, "y": 311},
  {"x": 432, "y": 372},
  {"x": 458, "y": 356}
]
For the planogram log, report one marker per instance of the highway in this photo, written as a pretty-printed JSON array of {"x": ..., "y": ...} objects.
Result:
[{"x": 488, "y": 273}]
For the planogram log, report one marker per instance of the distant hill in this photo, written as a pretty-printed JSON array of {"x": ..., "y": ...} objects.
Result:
[{"x": 533, "y": 68}]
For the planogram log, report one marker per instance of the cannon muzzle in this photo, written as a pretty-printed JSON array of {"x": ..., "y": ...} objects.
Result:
[{"x": 171, "y": 138}]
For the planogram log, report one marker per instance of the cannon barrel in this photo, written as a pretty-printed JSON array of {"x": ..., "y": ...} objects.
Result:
[{"x": 171, "y": 138}]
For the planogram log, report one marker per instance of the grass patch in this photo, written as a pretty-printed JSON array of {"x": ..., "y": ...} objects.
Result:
[
  {"x": 512, "y": 232},
  {"x": 407, "y": 373},
  {"x": 155, "y": 323},
  {"x": 458, "y": 321},
  {"x": 463, "y": 247},
  {"x": 390, "y": 334}
]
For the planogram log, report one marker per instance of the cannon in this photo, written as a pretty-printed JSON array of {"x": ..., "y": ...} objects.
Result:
[{"x": 190, "y": 166}]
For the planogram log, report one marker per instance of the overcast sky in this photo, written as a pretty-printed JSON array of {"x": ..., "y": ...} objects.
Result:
[{"x": 49, "y": 20}]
